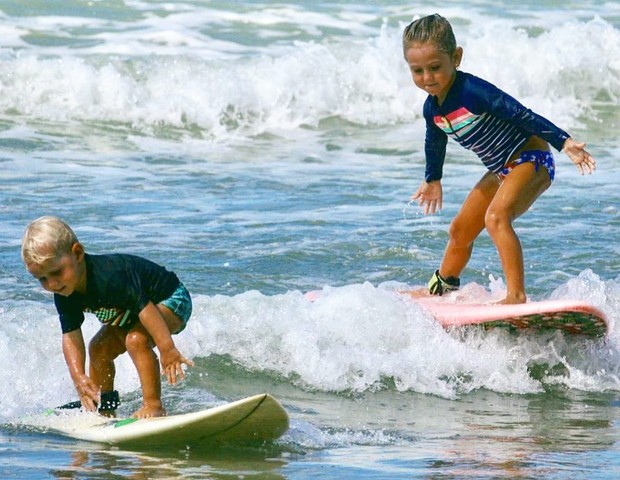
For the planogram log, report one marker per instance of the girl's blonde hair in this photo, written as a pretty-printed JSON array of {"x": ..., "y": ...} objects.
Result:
[
  {"x": 46, "y": 238},
  {"x": 434, "y": 29}
]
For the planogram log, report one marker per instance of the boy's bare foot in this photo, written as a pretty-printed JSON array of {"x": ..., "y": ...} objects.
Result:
[{"x": 150, "y": 411}]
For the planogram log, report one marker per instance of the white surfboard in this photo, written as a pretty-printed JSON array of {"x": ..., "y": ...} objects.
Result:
[{"x": 252, "y": 419}]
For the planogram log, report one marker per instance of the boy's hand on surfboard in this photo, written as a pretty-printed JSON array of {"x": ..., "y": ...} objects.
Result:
[
  {"x": 88, "y": 392},
  {"x": 172, "y": 365},
  {"x": 429, "y": 196},
  {"x": 579, "y": 156}
]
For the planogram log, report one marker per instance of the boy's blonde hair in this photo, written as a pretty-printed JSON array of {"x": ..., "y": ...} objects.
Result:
[
  {"x": 46, "y": 238},
  {"x": 432, "y": 28}
]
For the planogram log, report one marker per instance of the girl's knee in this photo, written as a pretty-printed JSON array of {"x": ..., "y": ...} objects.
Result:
[
  {"x": 461, "y": 235},
  {"x": 495, "y": 221}
]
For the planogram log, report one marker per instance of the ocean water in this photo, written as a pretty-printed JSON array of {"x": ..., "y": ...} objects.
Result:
[{"x": 265, "y": 149}]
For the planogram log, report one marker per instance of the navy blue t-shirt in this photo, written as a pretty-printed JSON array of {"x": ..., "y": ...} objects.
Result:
[{"x": 118, "y": 287}]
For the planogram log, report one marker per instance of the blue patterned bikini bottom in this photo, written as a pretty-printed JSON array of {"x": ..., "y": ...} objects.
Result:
[{"x": 537, "y": 157}]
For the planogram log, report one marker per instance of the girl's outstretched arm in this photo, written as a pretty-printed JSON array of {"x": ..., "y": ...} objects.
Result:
[
  {"x": 429, "y": 195},
  {"x": 581, "y": 158}
]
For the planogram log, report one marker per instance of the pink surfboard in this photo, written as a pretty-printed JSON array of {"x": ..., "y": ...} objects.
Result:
[{"x": 570, "y": 316}]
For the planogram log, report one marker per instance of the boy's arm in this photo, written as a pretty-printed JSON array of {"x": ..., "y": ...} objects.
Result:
[
  {"x": 171, "y": 359},
  {"x": 74, "y": 350}
]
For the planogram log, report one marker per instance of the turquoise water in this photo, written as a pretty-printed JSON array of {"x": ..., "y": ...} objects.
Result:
[{"x": 262, "y": 150}]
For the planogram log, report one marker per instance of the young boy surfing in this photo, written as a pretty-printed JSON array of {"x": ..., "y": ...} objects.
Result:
[{"x": 139, "y": 303}]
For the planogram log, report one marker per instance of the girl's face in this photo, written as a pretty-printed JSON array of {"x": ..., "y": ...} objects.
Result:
[
  {"x": 433, "y": 70},
  {"x": 62, "y": 275}
]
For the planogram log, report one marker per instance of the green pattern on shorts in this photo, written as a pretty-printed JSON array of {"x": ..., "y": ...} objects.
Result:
[{"x": 108, "y": 315}]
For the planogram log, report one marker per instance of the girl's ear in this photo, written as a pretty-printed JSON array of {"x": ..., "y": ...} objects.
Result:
[{"x": 458, "y": 56}]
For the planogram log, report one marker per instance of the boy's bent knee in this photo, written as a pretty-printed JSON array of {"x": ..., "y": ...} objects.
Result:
[
  {"x": 136, "y": 341},
  {"x": 105, "y": 344}
]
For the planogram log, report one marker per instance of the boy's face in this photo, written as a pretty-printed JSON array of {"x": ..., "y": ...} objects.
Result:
[
  {"x": 433, "y": 70},
  {"x": 62, "y": 275}
]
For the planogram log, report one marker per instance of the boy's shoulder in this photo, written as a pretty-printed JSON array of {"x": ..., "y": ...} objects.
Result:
[
  {"x": 112, "y": 264},
  {"x": 112, "y": 259},
  {"x": 126, "y": 272}
]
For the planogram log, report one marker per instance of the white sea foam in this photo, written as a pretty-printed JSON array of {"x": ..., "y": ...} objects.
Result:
[
  {"x": 354, "y": 338},
  {"x": 350, "y": 339},
  {"x": 161, "y": 72},
  {"x": 231, "y": 75}
]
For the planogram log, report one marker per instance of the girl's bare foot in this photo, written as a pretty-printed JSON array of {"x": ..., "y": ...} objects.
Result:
[
  {"x": 513, "y": 300},
  {"x": 418, "y": 293}
]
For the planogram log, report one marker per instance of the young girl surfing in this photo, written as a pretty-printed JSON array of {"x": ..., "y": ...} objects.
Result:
[{"x": 511, "y": 140}]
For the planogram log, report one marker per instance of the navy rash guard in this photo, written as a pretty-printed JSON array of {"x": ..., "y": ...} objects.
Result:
[
  {"x": 484, "y": 119},
  {"x": 116, "y": 285}
]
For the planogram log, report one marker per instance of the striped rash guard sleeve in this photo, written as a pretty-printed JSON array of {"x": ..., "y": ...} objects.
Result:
[
  {"x": 507, "y": 108},
  {"x": 434, "y": 150}
]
